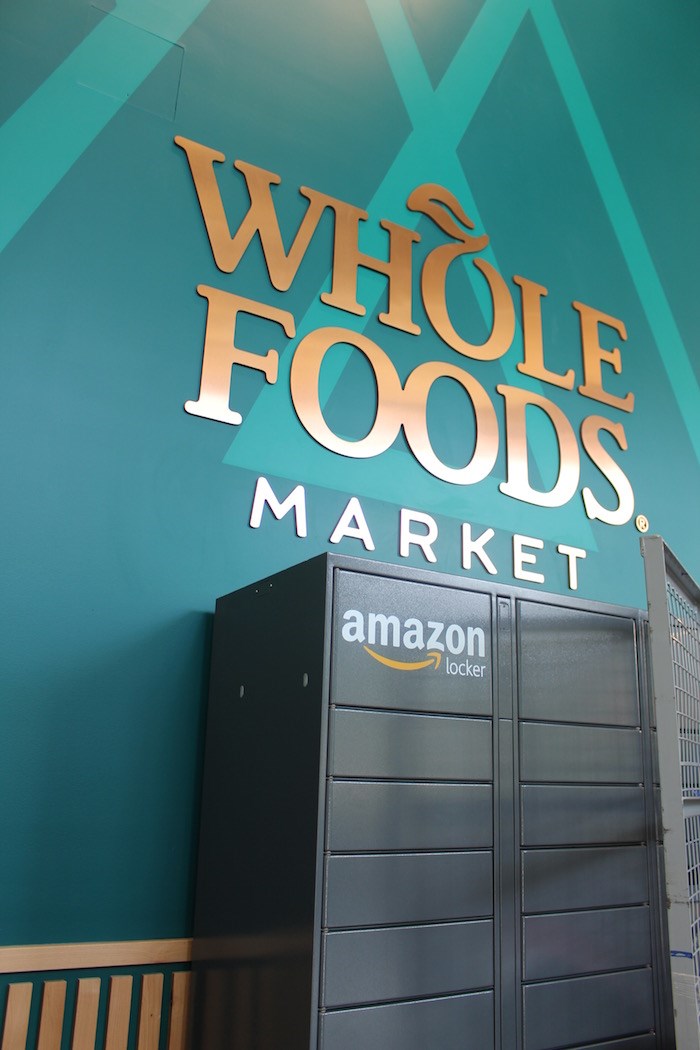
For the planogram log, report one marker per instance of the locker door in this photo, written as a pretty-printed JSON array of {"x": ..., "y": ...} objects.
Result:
[
  {"x": 587, "y": 843},
  {"x": 408, "y": 924}
]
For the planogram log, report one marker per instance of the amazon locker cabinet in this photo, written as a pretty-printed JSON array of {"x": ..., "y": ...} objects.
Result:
[{"x": 428, "y": 820}]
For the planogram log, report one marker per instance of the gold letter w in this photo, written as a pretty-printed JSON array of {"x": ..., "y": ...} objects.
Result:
[{"x": 261, "y": 216}]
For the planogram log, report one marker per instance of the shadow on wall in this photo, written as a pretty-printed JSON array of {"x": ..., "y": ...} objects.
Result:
[{"x": 254, "y": 994}]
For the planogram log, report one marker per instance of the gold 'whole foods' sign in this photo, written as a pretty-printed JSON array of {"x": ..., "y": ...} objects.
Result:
[{"x": 404, "y": 405}]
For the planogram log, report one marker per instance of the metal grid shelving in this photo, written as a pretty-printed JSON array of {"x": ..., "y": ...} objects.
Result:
[{"x": 674, "y": 631}]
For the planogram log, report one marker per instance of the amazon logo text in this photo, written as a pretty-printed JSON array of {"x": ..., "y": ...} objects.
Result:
[{"x": 428, "y": 641}]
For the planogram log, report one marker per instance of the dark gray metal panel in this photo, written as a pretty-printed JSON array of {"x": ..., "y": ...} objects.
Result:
[
  {"x": 577, "y": 754},
  {"x": 508, "y": 1021},
  {"x": 505, "y": 658},
  {"x": 658, "y": 818},
  {"x": 368, "y": 816},
  {"x": 577, "y": 666},
  {"x": 460, "y": 1022},
  {"x": 558, "y": 816},
  {"x": 266, "y": 727},
  {"x": 407, "y": 887},
  {"x": 406, "y": 962},
  {"x": 586, "y": 942},
  {"x": 423, "y": 617},
  {"x": 650, "y": 1041},
  {"x": 427, "y": 747},
  {"x": 558, "y": 879},
  {"x": 655, "y": 758},
  {"x": 580, "y": 1011}
]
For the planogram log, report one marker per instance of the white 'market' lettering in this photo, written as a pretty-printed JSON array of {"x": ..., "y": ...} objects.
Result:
[{"x": 524, "y": 547}]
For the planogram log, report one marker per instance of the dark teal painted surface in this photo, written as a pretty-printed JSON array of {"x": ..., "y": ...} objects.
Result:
[{"x": 124, "y": 517}]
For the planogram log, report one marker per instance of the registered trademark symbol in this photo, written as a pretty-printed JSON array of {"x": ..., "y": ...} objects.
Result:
[{"x": 642, "y": 523}]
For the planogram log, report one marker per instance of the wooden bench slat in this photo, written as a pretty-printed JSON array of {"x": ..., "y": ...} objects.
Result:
[
  {"x": 179, "y": 1011},
  {"x": 86, "y": 1009},
  {"x": 53, "y": 1004},
  {"x": 119, "y": 1012},
  {"x": 19, "y": 1003},
  {"x": 149, "y": 1014}
]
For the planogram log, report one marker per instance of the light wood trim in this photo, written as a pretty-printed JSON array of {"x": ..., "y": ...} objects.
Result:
[
  {"x": 149, "y": 1014},
  {"x": 119, "y": 1012},
  {"x": 179, "y": 1011},
  {"x": 33, "y": 958},
  {"x": 51, "y": 1024},
  {"x": 19, "y": 1003},
  {"x": 86, "y": 1008}
]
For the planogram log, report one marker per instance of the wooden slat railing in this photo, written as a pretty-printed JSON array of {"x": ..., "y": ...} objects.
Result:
[{"x": 114, "y": 991}]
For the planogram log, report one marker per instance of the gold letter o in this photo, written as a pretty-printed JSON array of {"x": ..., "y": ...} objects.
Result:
[
  {"x": 415, "y": 424},
  {"x": 304, "y": 377}
]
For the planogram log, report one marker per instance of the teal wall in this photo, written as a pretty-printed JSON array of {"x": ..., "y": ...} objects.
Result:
[{"x": 568, "y": 131}]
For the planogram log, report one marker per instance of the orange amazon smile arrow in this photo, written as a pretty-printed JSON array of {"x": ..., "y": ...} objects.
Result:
[{"x": 434, "y": 657}]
